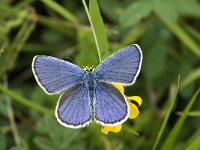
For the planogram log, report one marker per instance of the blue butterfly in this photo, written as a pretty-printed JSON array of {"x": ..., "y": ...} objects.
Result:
[{"x": 89, "y": 95}]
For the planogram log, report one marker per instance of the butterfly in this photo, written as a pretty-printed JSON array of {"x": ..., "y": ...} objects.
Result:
[{"x": 89, "y": 94}]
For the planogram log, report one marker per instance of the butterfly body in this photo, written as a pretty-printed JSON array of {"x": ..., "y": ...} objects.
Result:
[
  {"x": 90, "y": 83},
  {"x": 89, "y": 94}
]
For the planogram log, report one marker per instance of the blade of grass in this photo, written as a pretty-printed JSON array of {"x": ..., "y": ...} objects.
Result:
[
  {"x": 130, "y": 130},
  {"x": 195, "y": 145},
  {"x": 16, "y": 22},
  {"x": 183, "y": 36},
  {"x": 191, "y": 113},
  {"x": 158, "y": 137},
  {"x": 195, "y": 33},
  {"x": 97, "y": 29},
  {"x": 60, "y": 10},
  {"x": 25, "y": 102},
  {"x": 10, "y": 111},
  {"x": 10, "y": 54},
  {"x": 173, "y": 134},
  {"x": 194, "y": 75}
]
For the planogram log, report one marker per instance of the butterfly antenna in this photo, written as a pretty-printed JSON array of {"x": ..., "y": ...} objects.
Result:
[
  {"x": 68, "y": 59},
  {"x": 103, "y": 53}
]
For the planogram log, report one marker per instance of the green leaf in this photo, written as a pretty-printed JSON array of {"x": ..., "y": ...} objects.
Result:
[
  {"x": 195, "y": 145},
  {"x": 159, "y": 135},
  {"x": 166, "y": 10},
  {"x": 135, "y": 12},
  {"x": 130, "y": 130},
  {"x": 173, "y": 134},
  {"x": 86, "y": 55},
  {"x": 187, "y": 7},
  {"x": 193, "y": 142},
  {"x": 43, "y": 143},
  {"x": 170, "y": 10},
  {"x": 2, "y": 141},
  {"x": 58, "y": 137},
  {"x": 99, "y": 30}
]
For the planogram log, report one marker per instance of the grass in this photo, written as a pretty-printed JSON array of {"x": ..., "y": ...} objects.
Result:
[{"x": 170, "y": 45}]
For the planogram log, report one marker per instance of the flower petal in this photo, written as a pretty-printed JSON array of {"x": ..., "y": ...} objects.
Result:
[
  {"x": 135, "y": 98},
  {"x": 133, "y": 111},
  {"x": 118, "y": 86},
  {"x": 106, "y": 129}
]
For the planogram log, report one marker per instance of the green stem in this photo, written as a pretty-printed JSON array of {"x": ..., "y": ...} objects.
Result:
[
  {"x": 10, "y": 55},
  {"x": 60, "y": 10},
  {"x": 194, "y": 75},
  {"x": 11, "y": 117},
  {"x": 166, "y": 117},
  {"x": 93, "y": 31},
  {"x": 192, "y": 31},
  {"x": 175, "y": 131},
  {"x": 25, "y": 101},
  {"x": 191, "y": 113}
]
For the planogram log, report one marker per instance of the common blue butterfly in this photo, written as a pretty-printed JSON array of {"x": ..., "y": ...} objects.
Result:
[{"x": 89, "y": 94}]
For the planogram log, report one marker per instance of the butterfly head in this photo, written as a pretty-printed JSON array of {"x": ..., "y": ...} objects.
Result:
[{"x": 88, "y": 69}]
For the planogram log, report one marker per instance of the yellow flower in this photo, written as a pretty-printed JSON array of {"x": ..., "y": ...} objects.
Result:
[{"x": 133, "y": 110}]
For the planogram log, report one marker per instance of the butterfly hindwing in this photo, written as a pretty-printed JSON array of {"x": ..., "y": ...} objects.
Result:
[
  {"x": 54, "y": 74},
  {"x": 123, "y": 66},
  {"x": 89, "y": 95},
  {"x": 111, "y": 107},
  {"x": 73, "y": 109}
]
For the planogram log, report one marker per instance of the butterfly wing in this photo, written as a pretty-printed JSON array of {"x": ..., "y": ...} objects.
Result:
[
  {"x": 73, "y": 109},
  {"x": 123, "y": 66},
  {"x": 111, "y": 107},
  {"x": 54, "y": 75}
]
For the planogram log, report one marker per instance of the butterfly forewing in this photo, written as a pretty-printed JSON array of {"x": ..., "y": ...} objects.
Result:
[
  {"x": 123, "y": 66},
  {"x": 72, "y": 109},
  {"x": 54, "y": 74},
  {"x": 111, "y": 107},
  {"x": 89, "y": 95}
]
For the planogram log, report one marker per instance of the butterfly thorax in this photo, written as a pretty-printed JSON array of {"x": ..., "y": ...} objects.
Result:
[
  {"x": 90, "y": 82},
  {"x": 89, "y": 79}
]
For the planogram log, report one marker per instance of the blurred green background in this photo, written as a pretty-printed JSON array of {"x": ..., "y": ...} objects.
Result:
[{"x": 168, "y": 32}]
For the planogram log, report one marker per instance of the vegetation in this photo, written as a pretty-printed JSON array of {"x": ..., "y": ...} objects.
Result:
[{"x": 86, "y": 33}]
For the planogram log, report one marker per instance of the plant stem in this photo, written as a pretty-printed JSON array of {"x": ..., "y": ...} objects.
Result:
[
  {"x": 166, "y": 117},
  {"x": 25, "y": 101},
  {"x": 11, "y": 117},
  {"x": 93, "y": 31},
  {"x": 60, "y": 10}
]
